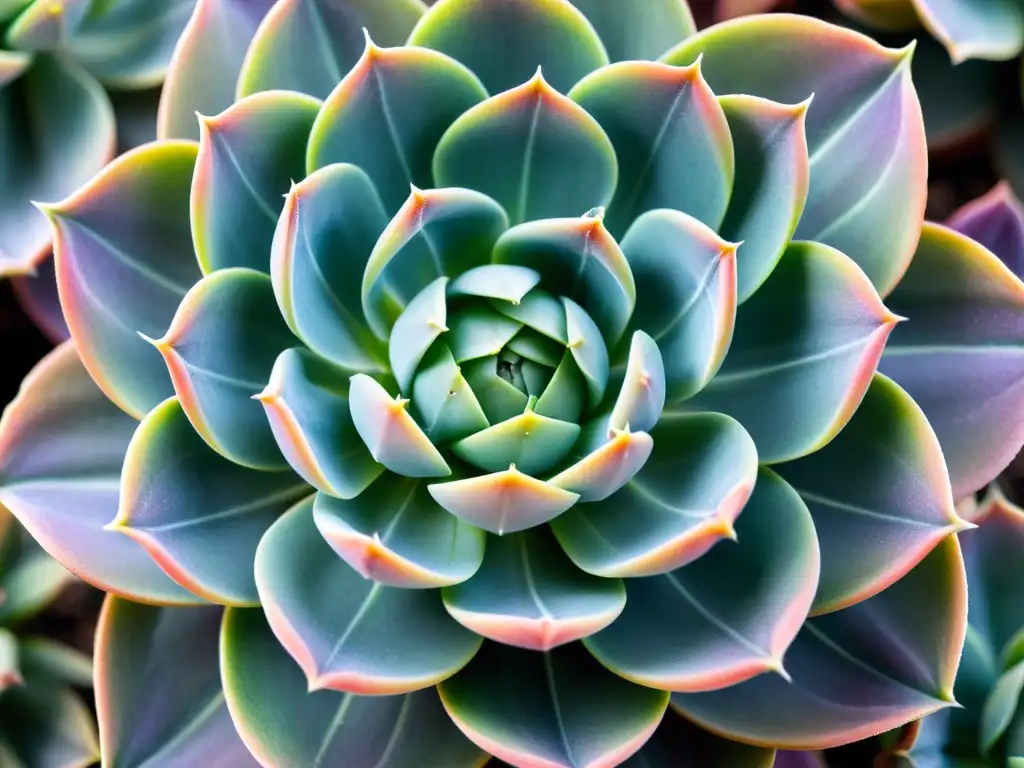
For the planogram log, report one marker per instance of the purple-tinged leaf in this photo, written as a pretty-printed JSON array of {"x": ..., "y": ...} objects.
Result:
[
  {"x": 996, "y": 220},
  {"x": 650, "y": 29},
  {"x": 602, "y": 471},
  {"x": 37, "y": 295}
]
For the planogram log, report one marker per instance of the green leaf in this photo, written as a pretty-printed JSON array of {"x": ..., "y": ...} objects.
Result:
[
  {"x": 901, "y": 503},
  {"x": 856, "y": 672},
  {"x": 540, "y": 311},
  {"x": 678, "y": 743},
  {"x": 670, "y": 136},
  {"x": 1001, "y": 706},
  {"x": 499, "y": 399},
  {"x": 283, "y": 724},
  {"x": 45, "y": 26},
  {"x": 588, "y": 349},
  {"x": 10, "y": 669},
  {"x": 309, "y": 45},
  {"x": 247, "y": 156},
  {"x": 531, "y": 442},
  {"x": 445, "y": 402},
  {"x": 505, "y": 42},
  {"x": 58, "y": 132},
  {"x": 647, "y": 31},
  {"x": 684, "y": 501},
  {"x": 437, "y": 233},
  {"x": 306, "y": 403},
  {"x": 961, "y": 356},
  {"x": 181, "y": 501},
  {"x": 693, "y": 630},
  {"x": 62, "y": 444},
  {"x": 530, "y": 595},
  {"x": 419, "y": 326},
  {"x": 324, "y": 238},
  {"x": 46, "y": 725},
  {"x": 346, "y": 632},
  {"x": 865, "y": 133},
  {"x": 533, "y": 150},
  {"x": 770, "y": 143},
  {"x": 803, "y": 353},
  {"x": 577, "y": 258},
  {"x": 480, "y": 332},
  {"x": 497, "y": 281},
  {"x": 158, "y": 691},
  {"x": 207, "y": 59},
  {"x": 30, "y": 585},
  {"x": 124, "y": 260},
  {"x": 388, "y": 114},
  {"x": 686, "y": 282},
  {"x": 220, "y": 350},
  {"x": 551, "y": 709},
  {"x": 390, "y": 534},
  {"x": 62, "y": 662}
]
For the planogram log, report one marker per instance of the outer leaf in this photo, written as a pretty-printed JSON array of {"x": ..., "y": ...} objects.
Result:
[
  {"x": 182, "y": 502},
  {"x": 46, "y": 725},
  {"x": 204, "y": 68},
  {"x": 857, "y": 672},
  {"x": 283, "y": 724},
  {"x": 972, "y": 29},
  {"x": 901, "y": 501},
  {"x": 550, "y": 709},
  {"x": 324, "y": 238},
  {"x": 885, "y": 15},
  {"x": 389, "y": 114},
  {"x": 996, "y": 220},
  {"x": 169, "y": 709},
  {"x": 770, "y": 144},
  {"x": 307, "y": 406},
  {"x": 390, "y": 534},
  {"x": 30, "y": 585},
  {"x": 63, "y": 493},
  {"x": 37, "y": 295},
  {"x": 220, "y": 350},
  {"x": 123, "y": 253},
  {"x": 38, "y": 110},
  {"x": 670, "y": 136},
  {"x": 348, "y": 633},
  {"x": 42, "y": 656},
  {"x": 962, "y": 355},
  {"x": 684, "y": 500},
  {"x": 533, "y": 150},
  {"x": 865, "y": 133},
  {"x": 678, "y": 743},
  {"x": 529, "y": 594},
  {"x": 247, "y": 156},
  {"x": 805, "y": 348},
  {"x": 693, "y": 630},
  {"x": 646, "y": 33},
  {"x": 45, "y": 26},
  {"x": 686, "y": 282},
  {"x": 309, "y": 45},
  {"x": 504, "y": 42},
  {"x": 1001, "y": 706}
]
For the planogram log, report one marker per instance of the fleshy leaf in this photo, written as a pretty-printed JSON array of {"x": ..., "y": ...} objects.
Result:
[
  {"x": 686, "y": 280},
  {"x": 503, "y": 502},
  {"x": 420, "y": 324},
  {"x": 347, "y": 632},
  {"x": 37, "y": 295},
  {"x": 901, "y": 500},
  {"x": 856, "y": 672},
  {"x": 533, "y": 150},
  {"x": 60, "y": 112},
  {"x": 770, "y": 144},
  {"x": 650, "y": 29},
  {"x": 390, "y": 534},
  {"x": 678, "y": 743},
  {"x": 42, "y": 656},
  {"x": 550, "y": 709},
  {"x": 996, "y": 220},
  {"x": 961, "y": 358},
  {"x": 31, "y": 584},
  {"x": 533, "y": 443},
  {"x": 975, "y": 29},
  {"x": 181, "y": 501},
  {"x": 446, "y": 404},
  {"x": 220, "y": 350},
  {"x": 62, "y": 444},
  {"x": 124, "y": 261},
  {"x": 10, "y": 670},
  {"x": 306, "y": 403},
  {"x": 324, "y": 238},
  {"x": 204, "y": 68},
  {"x": 642, "y": 396},
  {"x": 437, "y": 233},
  {"x": 309, "y": 45},
  {"x": 540, "y": 311},
  {"x": 504, "y": 42},
  {"x": 803, "y": 353},
  {"x": 693, "y": 630},
  {"x": 530, "y": 595},
  {"x": 247, "y": 156},
  {"x": 1001, "y": 706},
  {"x": 588, "y": 349},
  {"x": 577, "y": 258},
  {"x": 283, "y": 724},
  {"x": 497, "y": 281},
  {"x": 45, "y": 26},
  {"x": 158, "y": 692},
  {"x": 392, "y": 436},
  {"x": 499, "y": 399},
  {"x": 604, "y": 470},
  {"x": 684, "y": 501},
  {"x": 670, "y": 136},
  {"x": 480, "y": 332},
  {"x": 865, "y": 133}
]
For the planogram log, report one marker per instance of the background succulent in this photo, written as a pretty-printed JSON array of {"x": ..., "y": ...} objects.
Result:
[
  {"x": 629, "y": 311},
  {"x": 43, "y": 723}
]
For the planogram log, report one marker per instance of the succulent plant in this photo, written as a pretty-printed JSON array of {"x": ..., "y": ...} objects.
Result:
[
  {"x": 498, "y": 378},
  {"x": 43, "y": 723}
]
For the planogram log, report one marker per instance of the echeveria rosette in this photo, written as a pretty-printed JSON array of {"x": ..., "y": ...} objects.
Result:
[
  {"x": 43, "y": 722},
  {"x": 453, "y": 370}
]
